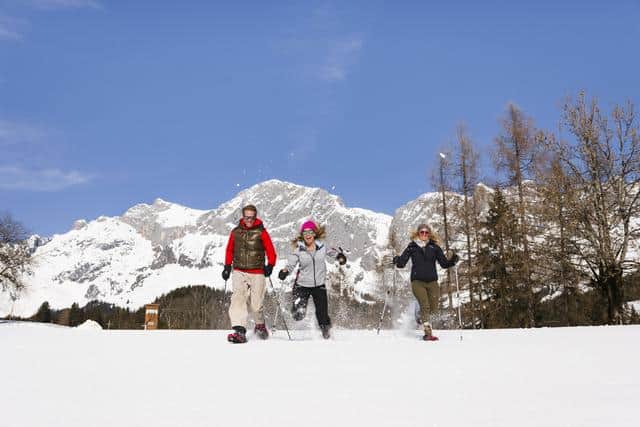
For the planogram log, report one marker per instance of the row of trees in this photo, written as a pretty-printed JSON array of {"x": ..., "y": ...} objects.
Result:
[
  {"x": 202, "y": 307},
  {"x": 109, "y": 316},
  {"x": 563, "y": 219}
]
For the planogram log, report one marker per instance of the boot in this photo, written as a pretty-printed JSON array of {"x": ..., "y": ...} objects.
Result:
[
  {"x": 239, "y": 336},
  {"x": 261, "y": 331},
  {"x": 326, "y": 334},
  {"x": 428, "y": 333}
]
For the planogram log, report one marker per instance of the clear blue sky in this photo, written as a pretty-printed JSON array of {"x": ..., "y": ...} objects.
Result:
[{"x": 105, "y": 104}]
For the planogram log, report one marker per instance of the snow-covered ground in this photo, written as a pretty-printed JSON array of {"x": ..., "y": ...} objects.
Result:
[{"x": 57, "y": 376}]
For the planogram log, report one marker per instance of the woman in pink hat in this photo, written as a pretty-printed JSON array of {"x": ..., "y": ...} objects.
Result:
[{"x": 309, "y": 256}]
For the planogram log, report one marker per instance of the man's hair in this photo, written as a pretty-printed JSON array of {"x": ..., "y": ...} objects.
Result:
[{"x": 249, "y": 208}]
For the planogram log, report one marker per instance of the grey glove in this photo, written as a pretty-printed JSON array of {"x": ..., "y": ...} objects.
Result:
[{"x": 388, "y": 261}]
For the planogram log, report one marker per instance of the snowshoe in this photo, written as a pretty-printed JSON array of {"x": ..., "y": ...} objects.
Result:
[
  {"x": 428, "y": 333},
  {"x": 239, "y": 336},
  {"x": 326, "y": 331},
  {"x": 261, "y": 331}
]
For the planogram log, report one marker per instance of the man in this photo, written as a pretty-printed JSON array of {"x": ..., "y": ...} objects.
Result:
[{"x": 246, "y": 249}]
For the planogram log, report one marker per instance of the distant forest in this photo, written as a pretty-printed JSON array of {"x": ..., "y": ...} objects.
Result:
[{"x": 202, "y": 307}]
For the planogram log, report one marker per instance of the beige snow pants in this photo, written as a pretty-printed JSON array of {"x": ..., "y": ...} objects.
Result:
[{"x": 247, "y": 289}]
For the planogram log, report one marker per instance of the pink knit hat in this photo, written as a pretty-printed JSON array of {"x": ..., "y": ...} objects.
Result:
[{"x": 309, "y": 225}]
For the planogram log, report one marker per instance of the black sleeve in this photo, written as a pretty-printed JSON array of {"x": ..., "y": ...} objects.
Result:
[
  {"x": 442, "y": 260},
  {"x": 404, "y": 258}
]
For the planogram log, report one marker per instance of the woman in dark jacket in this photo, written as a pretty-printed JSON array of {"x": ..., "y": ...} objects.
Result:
[{"x": 424, "y": 252}]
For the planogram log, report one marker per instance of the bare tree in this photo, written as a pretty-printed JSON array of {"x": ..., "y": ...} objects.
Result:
[
  {"x": 466, "y": 173},
  {"x": 515, "y": 155},
  {"x": 603, "y": 165},
  {"x": 15, "y": 256},
  {"x": 557, "y": 258},
  {"x": 442, "y": 180}
]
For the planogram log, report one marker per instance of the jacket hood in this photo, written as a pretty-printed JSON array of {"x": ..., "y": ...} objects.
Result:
[{"x": 303, "y": 247}]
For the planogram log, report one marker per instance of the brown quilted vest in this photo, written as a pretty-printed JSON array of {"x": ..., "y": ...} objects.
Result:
[{"x": 248, "y": 250}]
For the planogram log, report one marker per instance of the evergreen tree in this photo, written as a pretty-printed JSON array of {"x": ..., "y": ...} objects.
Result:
[
  {"x": 76, "y": 315},
  {"x": 501, "y": 263},
  {"x": 44, "y": 313}
]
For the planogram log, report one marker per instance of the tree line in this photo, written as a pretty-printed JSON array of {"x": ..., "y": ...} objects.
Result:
[
  {"x": 557, "y": 241},
  {"x": 203, "y": 307}
]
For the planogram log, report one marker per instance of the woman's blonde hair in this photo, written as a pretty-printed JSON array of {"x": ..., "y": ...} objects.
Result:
[
  {"x": 432, "y": 234},
  {"x": 320, "y": 234}
]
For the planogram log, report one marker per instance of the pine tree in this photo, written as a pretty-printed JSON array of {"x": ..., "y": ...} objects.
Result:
[
  {"x": 501, "y": 263},
  {"x": 44, "y": 313},
  {"x": 76, "y": 315}
]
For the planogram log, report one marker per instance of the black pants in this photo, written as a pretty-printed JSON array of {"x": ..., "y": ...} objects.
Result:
[{"x": 301, "y": 296}]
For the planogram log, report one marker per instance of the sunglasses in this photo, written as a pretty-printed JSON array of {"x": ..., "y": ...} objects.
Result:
[
  {"x": 249, "y": 218},
  {"x": 423, "y": 232},
  {"x": 308, "y": 233}
]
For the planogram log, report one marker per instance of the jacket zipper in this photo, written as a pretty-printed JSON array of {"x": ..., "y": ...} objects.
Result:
[{"x": 313, "y": 260}]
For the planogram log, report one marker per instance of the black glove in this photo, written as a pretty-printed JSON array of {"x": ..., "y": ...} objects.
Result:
[
  {"x": 268, "y": 269},
  {"x": 455, "y": 258},
  {"x": 283, "y": 274},
  {"x": 395, "y": 260},
  {"x": 226, "y": 272}
]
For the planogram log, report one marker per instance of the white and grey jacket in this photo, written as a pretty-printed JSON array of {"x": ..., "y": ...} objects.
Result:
[{"x": 312, "y": 270}]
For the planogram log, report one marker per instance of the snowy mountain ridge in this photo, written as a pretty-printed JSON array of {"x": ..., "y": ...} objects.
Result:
[
  {"x": 152, "y": 249},
  {"x": 131, "y": 259}
]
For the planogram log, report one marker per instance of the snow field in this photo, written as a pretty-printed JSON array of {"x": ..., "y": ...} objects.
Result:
[{"x": 58, "y": 376}]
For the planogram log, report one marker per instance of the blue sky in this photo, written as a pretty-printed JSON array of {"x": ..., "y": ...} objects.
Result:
[{"x": 105, "y": 104}]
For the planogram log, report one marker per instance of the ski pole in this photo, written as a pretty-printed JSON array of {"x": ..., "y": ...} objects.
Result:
[
  {"x": 455, "y": 269},
  {"x": 386, "y": 297},
  {"x": 224, "y": 295},
  {"x": 224, "y": 299},
  {"x": 280, "y": 308},
  {"x": 275, "y": 321}
]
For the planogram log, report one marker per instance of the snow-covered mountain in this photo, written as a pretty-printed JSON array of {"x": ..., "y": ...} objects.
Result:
[
  {"x": 427, "y": 208},
  {"x": 151, "y": 249}
]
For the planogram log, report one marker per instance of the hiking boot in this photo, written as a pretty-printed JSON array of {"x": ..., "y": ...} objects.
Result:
[
  {"x": 326, "y": 334},
  {"x": 239, "y": 336},
  {"x": 428, "y": 333},
  {"x": 261, "y": 331}
]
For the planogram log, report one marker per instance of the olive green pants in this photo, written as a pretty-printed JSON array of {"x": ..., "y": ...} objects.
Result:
[{"x": 427, "y": 294}]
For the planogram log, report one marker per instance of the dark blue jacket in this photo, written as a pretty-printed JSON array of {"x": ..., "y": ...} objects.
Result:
[{"x": 424, "y": 261}]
